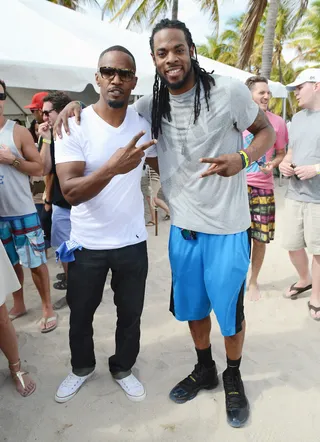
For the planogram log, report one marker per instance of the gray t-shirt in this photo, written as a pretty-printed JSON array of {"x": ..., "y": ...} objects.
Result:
[
  {"x": 304, "y": 140},
  {"x": 215, "y": 204}
]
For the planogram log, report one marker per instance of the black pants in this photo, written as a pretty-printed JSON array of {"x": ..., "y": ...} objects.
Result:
[{"x": 86, "y": 279}]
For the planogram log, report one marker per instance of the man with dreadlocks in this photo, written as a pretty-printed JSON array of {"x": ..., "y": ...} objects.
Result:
[{"x": 198, "y": 119}]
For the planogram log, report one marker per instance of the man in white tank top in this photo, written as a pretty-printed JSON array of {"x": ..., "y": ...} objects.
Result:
[{"x": 20, "y": 229}]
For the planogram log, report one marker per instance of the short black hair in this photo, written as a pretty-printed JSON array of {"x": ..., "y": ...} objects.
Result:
[
  {"x": 119, "y": 49},
  {"x": 252, "y": 81},
  {"x": 4, "y": 86},
  {"x": 58, "y": 99}
]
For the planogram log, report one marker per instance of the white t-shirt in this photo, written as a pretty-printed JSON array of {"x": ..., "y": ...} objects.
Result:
[{"x": 115, "y": 217}]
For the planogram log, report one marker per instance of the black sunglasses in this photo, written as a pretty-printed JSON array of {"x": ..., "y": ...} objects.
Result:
[
  {"x": 3, "y": 96},
  {"x": 109, "y": 73},
  {"x": 47, "y": 113}
]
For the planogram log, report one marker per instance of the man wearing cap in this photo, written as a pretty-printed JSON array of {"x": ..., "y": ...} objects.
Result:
[
  {"x": 20, "y": 230},
  {"x": 36, "y": 106},
  {"x": 302, "y": 204}
]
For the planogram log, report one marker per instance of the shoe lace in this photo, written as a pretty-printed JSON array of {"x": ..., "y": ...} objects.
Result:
[
  {"x": 70, "y": 380},
  {"x": 234, "y": 391}
]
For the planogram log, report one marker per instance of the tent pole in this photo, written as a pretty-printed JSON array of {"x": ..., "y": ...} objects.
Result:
[{"x": 16, "y": 104}]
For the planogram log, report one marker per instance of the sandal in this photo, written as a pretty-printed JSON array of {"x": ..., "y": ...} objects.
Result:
[
  {"x": 166, "y": 218},
  {"x": 44, "y": 322},
  {"x": 61, "y": 285},
  {"x": 61, "y": 276},
  {"x": 17, "y": 377},
  {"x": 150, "y": 224},
  {"x": 315, "y": 309},
  {"x": 297, "y": 291}
]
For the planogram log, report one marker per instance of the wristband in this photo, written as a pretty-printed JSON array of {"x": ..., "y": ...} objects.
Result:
[
  {"x": 245, "y": 159},
  {"x": 45, "y": 140}
]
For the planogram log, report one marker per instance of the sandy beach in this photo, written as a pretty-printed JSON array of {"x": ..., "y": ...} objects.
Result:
[{"x": 280, "y": 368}]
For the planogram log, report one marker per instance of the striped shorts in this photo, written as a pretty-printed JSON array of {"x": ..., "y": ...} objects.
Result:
[
  {"x": 262, "y": 210},
  {"x": 22, "y": 237}
]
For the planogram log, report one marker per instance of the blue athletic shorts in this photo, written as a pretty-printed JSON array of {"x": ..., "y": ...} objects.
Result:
[{"x": 209, "y": 273}]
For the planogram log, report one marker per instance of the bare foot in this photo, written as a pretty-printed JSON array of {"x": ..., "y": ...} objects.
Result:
[
  {"x": 254, "y": 292},
  {"x": 291, "y": 291},
  {"x": 24, "y": 384},
  {"x": 16, "y": 312}
]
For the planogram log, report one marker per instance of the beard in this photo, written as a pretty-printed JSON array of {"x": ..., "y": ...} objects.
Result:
[
  {"x": 179, "y": 84},
  {"x": 116, "y": 104}
]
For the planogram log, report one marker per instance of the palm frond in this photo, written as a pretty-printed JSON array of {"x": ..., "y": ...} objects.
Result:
[
  {"x": 250, "y": 25},
  {"x": 212, "y": 7}
]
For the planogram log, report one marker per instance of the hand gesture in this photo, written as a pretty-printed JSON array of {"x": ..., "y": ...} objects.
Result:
[
  {"x": 305, "y": 172},
  {"x": 44, "y": 130},
  {"x": 129, "y": 157},
  {"x": 286, "y": 169},
  {"x": 72, "y": 109},
  {"x": 224, "y": 165},
  {"x": 266, "y": 168},
  {"x": 6, "y": 156}
]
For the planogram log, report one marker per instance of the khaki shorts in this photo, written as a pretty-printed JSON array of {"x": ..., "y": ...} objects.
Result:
[
  {"x": 302, "y": 226},
  {"x": 150, "y": 187}
]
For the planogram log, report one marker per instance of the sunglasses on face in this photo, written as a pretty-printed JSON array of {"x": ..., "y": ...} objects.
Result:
[
  {"x": 3, "y": 96},
  {"x": 109, "y": 73},
  {"x": 47, "y": 113}
]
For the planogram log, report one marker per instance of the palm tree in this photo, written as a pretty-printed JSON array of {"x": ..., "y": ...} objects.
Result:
[
  {"x": 256, "y": 9},
  {"x": 74, "y": 4},
  {"x": 152, "y": 10},
  {"x": 306, "y": 39}
]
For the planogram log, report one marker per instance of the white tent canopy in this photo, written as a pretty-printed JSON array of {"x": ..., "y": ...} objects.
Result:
[{"x": 64, "y": 52}]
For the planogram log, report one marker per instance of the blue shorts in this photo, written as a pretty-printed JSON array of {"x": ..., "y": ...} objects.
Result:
[
  {"x": 22, "y": 237},
  {"x": 61, "y": 226},
  {"x": 209, "y": 273}
]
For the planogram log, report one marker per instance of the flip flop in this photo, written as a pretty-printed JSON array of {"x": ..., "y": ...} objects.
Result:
[
  {"x": 315, "y": 309},
  {"x": 44, "y": 322},
  {"x": 61, "y": 285},
  {"x": 13, "y": 317},
  {"x": 150, "y": 224},
  {"x": 298, "y": 291}
]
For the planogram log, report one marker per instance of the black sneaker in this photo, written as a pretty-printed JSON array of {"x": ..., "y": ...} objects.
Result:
[
  {"x": 201, "y": 378},
  {"x": 237, "y": 405}
]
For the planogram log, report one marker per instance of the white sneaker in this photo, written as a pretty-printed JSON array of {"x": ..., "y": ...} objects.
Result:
[
  {"x": 70, "y": 387},
  {"x": 133, "y": 389}
]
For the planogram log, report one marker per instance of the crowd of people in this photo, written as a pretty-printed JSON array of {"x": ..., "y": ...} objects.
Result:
[{"x": 215, "y": 144}]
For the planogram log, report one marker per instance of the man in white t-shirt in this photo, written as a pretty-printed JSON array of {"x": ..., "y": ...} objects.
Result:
[{"x": 99, "y": 169}]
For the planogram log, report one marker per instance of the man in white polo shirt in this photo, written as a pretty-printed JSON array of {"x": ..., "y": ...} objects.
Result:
[{"x": 99, "y": 168}]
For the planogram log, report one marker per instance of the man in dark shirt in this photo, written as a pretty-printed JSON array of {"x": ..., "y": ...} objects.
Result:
[{"x": 53, "y": 103}]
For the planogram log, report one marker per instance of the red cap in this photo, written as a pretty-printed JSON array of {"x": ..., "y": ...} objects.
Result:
[{"x": 37, "y": 101}]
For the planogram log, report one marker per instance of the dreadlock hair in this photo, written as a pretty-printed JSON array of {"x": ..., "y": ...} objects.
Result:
[{"x": 161, "y": 99}]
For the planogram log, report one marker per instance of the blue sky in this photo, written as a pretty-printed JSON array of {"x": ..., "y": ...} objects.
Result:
[{"x": 197, "y": 21}]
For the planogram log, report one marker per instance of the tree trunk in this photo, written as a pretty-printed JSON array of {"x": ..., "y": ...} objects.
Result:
[
  {"x": 269, "y": 38},
  {"x": 175, "y": 9}
]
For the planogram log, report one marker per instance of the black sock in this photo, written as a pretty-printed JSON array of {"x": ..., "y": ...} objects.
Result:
[
  {"x": 233, "y": 366},
  {"x": 205, "y": 357}
]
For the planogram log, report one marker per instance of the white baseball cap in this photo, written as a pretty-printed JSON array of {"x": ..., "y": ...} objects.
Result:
[{"x": 307, "y": 76}]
